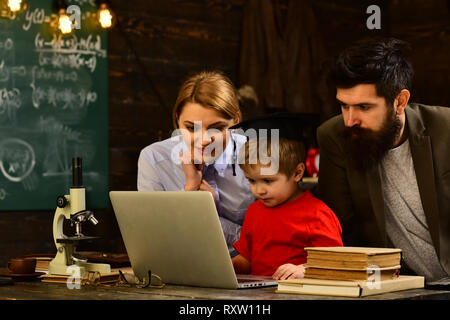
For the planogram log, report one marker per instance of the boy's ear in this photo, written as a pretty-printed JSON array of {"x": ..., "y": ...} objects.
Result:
[{"x": 299, "y": 172}]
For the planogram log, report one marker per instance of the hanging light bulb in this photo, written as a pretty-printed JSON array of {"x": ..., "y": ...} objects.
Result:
[
  {"x": 64, "y": 22},
  {"x": 16, "y": 5},
  {"x": 105, "y": 15}
]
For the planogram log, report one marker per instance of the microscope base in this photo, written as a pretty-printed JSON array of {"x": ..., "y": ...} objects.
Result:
[
  {"x": 79, "y": 269},
  {"x": 60, "y": 264}
]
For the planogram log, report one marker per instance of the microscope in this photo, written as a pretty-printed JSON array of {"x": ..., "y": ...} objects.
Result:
[{"x": 73, "y": 208}]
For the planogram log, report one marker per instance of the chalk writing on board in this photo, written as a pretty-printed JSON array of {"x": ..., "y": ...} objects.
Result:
[
  {"x": 61, "y": 139},
  {"x": 52, "y": 106},
  {"x": 57, "y": 161},
  {"x": 73, "y": 52},
  {"x": 31, "y": 182},
  {"x": 82, "y": 2},
  {"x": 65, "y": 99},
  {"x": 73, "y": 44},
  {"x": 37, "y": 16},
  {"x": 17, "y": 159},
  {"x": 7, "y": 44},
  {"x": 6, "y": 71},
  {"x": 3, "y": 194},
  {"x": 73, "y": 61},
  {"x": 10, "y": 102},
  {"x": 38, "y": 73}
]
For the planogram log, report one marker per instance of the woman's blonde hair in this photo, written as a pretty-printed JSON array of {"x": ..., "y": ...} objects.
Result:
[{"x": 210, "y": 89}]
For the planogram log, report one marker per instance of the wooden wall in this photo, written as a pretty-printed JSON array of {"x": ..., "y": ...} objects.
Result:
[
  {"x": 175, "y": 38},
  {"x": 424, "y": 24}
]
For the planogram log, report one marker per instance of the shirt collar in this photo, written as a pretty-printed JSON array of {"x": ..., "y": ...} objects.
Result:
[{"x": 227, "y": 157}]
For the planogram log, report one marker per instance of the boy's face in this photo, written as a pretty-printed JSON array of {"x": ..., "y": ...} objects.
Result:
[{"x": 273, "y": 190}]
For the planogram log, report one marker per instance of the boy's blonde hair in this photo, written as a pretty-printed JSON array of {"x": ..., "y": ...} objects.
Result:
[
  {"x": 210, "y": 89},
  {"x": 290, "y": 154}
]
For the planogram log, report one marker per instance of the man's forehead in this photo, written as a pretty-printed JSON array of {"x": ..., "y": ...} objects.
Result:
[{"x": 362, "y": 93}]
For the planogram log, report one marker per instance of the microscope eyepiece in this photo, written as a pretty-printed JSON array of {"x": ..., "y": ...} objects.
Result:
[{"x": 77, "y": 172}]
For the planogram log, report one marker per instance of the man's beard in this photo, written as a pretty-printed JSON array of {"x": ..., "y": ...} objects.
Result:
[{"x": 366, "y": 147}]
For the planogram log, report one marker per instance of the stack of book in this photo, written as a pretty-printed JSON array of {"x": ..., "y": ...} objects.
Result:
[
  {"x": 351, "y": 271},
  {"x": 42, "y": 263},
  {"x": 92, "y": 278},
  {"x": 352, "y": 263}
]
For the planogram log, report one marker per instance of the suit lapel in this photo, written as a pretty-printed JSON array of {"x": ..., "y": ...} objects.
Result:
[
  {"x": 422, "y": 156},
  {"x": 376, "y": 197},
  {"x": 423, "y": 165}
]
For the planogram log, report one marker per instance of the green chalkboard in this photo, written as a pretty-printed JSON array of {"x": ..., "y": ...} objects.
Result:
[{"x": 53, "y": 107}]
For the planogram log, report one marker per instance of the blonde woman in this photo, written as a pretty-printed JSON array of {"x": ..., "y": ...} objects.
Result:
[{"x": 202, "y": 152}]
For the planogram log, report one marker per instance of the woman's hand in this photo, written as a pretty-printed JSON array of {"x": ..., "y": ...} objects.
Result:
[
  {"x": 204, "y": 186},
  {"x": 193, "y": 173},
  {"x": 289, "y": 271}
]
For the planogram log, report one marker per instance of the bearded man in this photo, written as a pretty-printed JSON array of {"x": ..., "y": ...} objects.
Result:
[{"x": 385, "y": 164}]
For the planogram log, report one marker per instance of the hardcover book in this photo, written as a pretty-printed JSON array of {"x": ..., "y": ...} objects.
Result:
[{"x": 348, "y": 288}]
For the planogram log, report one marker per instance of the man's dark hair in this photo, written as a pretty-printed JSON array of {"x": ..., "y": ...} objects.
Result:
[{"x": 382, "y": 62}]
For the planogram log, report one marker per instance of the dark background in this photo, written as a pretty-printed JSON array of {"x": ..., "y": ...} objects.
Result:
[{"x": 162, "y": 42}]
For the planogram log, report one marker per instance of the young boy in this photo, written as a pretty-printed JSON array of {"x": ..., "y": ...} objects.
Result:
[{"x": 284, "y": 219}]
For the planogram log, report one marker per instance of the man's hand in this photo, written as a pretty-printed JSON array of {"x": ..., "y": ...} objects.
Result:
[{"x": 289, "y": 271}]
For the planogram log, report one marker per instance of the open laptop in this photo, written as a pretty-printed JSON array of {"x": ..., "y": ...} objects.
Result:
[{"x": 177, "y": 235}]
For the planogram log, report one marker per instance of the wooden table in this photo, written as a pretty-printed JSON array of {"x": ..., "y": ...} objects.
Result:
[
  {"x": 181, "y": 302},
  {"x": 36, "y": 290}
]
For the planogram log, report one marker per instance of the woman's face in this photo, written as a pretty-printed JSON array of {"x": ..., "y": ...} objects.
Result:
[{"x": 205, "y": 130}]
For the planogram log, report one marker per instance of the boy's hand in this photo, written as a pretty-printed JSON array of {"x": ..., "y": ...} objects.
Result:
[
  {"x": 241, "y": 265},
  {"x": 289, "y": 271}
]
